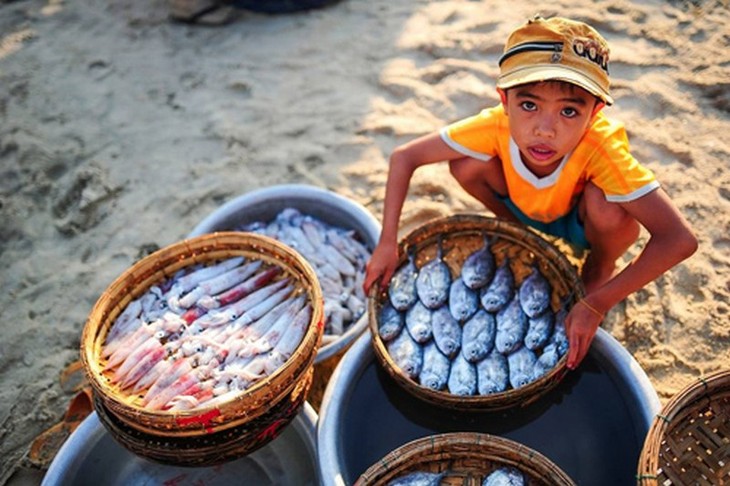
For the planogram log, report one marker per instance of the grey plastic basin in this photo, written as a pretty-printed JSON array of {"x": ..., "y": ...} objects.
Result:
[
  {"x": 91, "y": 456},
  {"x": 592, "y": 425},
  {"x": 264, "y": 204}
]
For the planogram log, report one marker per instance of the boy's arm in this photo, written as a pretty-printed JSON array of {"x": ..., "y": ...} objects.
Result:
[
  {"x": 671, "y": 242},
  {"x": 404, "y": 161}
]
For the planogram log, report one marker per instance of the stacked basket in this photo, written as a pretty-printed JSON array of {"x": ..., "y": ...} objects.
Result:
[
  {"x": 689, "y": 441},
  {"x": 205, "y": 435}
]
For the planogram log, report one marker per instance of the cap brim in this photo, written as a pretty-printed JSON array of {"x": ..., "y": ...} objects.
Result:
[{"x": 538, "y": 73}]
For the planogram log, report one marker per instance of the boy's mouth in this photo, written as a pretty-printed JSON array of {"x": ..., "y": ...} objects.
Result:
[{"x": 541, "y": 153}]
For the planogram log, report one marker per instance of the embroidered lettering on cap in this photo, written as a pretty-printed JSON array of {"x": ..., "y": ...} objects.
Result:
[{"x": 592, "y": 51}]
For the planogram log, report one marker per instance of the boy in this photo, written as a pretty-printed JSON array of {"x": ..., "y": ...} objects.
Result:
[{"x": 548, "y": 157}]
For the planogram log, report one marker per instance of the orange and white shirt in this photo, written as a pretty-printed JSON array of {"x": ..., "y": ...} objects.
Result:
[{"x": 602, "y": 157}]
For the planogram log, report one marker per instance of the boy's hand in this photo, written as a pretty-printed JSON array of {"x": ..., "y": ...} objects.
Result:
[
  {"x": 381, "y": 266},
  {"x": 581, "y": 324}
]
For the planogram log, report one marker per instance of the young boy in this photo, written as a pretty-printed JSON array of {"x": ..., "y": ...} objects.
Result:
[{"x": 548, "y": 157}]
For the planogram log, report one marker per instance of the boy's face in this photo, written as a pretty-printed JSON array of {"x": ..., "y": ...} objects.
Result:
[{"x": 547, "y": 120}]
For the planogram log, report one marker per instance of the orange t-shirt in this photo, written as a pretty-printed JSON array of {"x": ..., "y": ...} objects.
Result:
[{"x": 602, "y": 157}]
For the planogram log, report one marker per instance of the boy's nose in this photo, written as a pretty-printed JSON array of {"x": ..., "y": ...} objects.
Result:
[{"x": 545, "y": 127}]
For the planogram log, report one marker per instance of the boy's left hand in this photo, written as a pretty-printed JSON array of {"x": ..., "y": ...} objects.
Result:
[{"x": 581, "y": 325}]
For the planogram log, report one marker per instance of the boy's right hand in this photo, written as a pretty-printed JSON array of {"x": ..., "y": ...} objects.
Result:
[{"x": 381, "y": 266}]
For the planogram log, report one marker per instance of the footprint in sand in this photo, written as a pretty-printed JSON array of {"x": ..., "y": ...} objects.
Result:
[{"x": 83, "y": 202}]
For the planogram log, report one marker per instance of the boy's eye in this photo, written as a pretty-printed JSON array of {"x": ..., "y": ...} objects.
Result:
[
  {"x": 528, "y": 106},
  {"x": 569, "y": 112}
]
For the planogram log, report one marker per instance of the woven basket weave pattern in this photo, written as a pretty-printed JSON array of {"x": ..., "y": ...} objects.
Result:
[{"x": 689, "y": 440}]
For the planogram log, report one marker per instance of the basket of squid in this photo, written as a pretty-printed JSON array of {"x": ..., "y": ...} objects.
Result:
[
  {"x": 203, "y": 351},
  {"x": 464, "y": 458},
  {"x": 474, "y": 315}
]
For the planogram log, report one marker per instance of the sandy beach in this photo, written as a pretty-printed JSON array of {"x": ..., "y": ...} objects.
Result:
[{"x": 121, "y": 130}]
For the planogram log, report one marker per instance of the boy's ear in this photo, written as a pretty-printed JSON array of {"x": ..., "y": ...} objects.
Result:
[
  {"x": 599, "y": 106},
  {"x": 503, "y": 97}
]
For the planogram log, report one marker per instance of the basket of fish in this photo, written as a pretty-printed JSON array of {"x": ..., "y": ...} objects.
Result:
[
  {"x": 474, "y": 316},
  {"x": 460, "y": 458},
  {"x": 203, "y": 351},
  {"x": 333, "y": 233},
  {"x": 689, "y": 440}
]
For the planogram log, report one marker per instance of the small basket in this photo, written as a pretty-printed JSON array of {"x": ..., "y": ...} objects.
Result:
[
  {"x": 689, "y": 440},
  {"x": 460, "y": 235},
  {"x": 250, "y": 419},
  {"x": 468, "y": 457}
]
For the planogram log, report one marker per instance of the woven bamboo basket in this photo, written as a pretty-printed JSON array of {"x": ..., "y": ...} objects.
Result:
[
  {"x": 689, "y": 440},
  {"x": 467, "y": 458},
  {"x": 460, "y": 235},
  {"x": 230, "y": 430}
]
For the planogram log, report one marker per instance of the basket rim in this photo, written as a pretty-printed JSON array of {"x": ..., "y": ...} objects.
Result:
[
  {"x": 433, "y": 448},
  {"x": 494, "y": 401},
  {"x": 165, "y": 262}
]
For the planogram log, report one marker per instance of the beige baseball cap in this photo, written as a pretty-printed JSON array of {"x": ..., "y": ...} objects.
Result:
[{"x": 556, "y": 49}]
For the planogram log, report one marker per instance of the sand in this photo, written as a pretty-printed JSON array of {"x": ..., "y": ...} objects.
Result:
[{"x": 121, "y": 130}]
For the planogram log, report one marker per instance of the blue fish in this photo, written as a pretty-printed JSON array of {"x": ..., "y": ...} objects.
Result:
[
  {"x": 463, "y": 301},
  {"x": 436, "y": 366},
  {"x": 418, "y": 322},
  {"x": 446, "y": 331},
  {"x": 402, "y": 286},
  {"x": 478, "y": 268},
  {"x": 477, "y": 338},
  {"x": 434, "y": 282},
  {"x": 539, "y": 330},
  {"x": 521, "y": 367},
  {"x": 511, "y": 327},
  {"x": 462, "y": 377},
  {"x": 500, "y": 290},
  {"x": 505, "y": 476},
  {"x": 407, "y": 354},
  {"x": 535, "y": 294},
  {"x": 390, "y": 323},
  {"x": 492, "y": 374}
]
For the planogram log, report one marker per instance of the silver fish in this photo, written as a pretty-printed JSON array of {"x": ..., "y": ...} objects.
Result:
[
  {"x": 419, "y": 478},
  {"x": 535, "y": 294},
  {"x": 446, "y": 331},
  {"x": 434, "y": 281},
  {"x": 463, "y": 301},
  {"x": 504, "y": 476},
  {"x": 402, "y": 286},
  {"x": 539, "y": 330},
  {"x": 547, "y": 361},
  {"x": 478, "y": 268},
  {"x": 462, "y": 377},
  {"x": 390, "y": 322},
  {"x": 492, "y": 374},
  {"x": 418, "y": 322},
  {"x": 478, "y": 336},
  {"x": 521, "y": 367},
  {"x": 511, "y": 327},
  {"x": 500, "y": 291},
  {"x": 435, "y": 371},
  {"x": 559, "y": 337},
  {"x": 407, "y": 354}
]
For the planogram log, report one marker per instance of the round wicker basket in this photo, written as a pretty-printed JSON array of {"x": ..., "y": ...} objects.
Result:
[
  {"x": 467, "y": 458},
  {"x": 235, "y": 428},
  {"x": 460, "y": 235},
  {"x": 689, "y": 440}
]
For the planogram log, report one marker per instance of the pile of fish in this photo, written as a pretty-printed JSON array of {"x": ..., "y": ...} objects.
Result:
[
  {"x": 475, "y": 334},
  {"x": 502, "y": 476},
  {"x": 337, "y": 257},
  {"x": 206, "y": 334}
]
